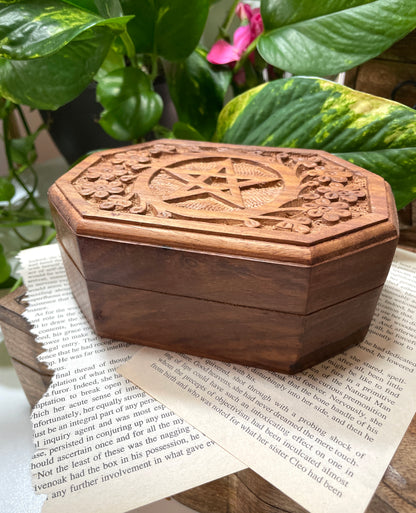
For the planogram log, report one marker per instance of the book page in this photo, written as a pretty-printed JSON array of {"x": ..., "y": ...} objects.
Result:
[
  {"x": 102, "y": 444},
  {"x": 324, "y": 436}
]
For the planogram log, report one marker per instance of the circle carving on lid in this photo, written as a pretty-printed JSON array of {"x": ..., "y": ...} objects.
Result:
[{"x": 272, "y": 189}]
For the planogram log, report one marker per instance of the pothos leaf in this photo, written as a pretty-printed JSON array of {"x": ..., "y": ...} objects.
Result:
[
  {"x": 301, "y": 112},
  {"x": 205, "y": 88},
  {"x": 58, "y": 78},
  {"x": 131, "y": 107},
  {"x": 37, "y": 28},
  {"x": 326, "y": 37},
  {"x": 6, "y": 189}
]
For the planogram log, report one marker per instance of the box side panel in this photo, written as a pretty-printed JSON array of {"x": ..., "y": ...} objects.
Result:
[
  {"x": 226, "y": 279},
  {"x": 350, "y": 275},
  {"x": 332, "y": 330},
  {"x": 78, "y": 286},
  {"x": 203, "y": 328},
  {"x": 65, "y": 235},
  {"x": 248, "y": 336}
]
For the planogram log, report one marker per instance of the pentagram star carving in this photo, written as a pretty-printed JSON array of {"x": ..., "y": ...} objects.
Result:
[{"x": 223, "y": 183}]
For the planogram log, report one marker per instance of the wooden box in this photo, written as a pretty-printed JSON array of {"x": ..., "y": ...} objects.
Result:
[{"x": 266, "y": 257}]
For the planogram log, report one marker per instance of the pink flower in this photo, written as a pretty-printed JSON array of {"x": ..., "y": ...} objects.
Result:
[{"x": 223, "y": 52}]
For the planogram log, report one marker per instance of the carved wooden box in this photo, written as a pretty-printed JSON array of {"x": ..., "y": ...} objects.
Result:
[{"x": 266, "y": 257}]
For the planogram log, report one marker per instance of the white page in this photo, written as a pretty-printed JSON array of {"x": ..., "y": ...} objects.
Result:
[
  {"x": 324, "y": 436},
  {"x": 102, "y": 445}
]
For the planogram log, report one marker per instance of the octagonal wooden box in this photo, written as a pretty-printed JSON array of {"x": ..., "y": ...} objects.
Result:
[{"x": 266, "y": 257}]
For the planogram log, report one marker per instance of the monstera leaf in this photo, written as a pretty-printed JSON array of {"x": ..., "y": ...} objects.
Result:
[
  {"x": 54, "y": 47},
  {"x": 301, "y": 112},
  {"x": 325, "y": 37}
]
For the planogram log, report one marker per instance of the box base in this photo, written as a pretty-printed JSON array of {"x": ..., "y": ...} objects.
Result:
[{"x": 255, "y": 337}]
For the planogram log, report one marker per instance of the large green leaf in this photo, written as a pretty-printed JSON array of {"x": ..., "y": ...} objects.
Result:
[
  {"x": 142, "y": 27},
  {"x": 179, "y": 26},
  {"x": 38, "y": 28},
  {"x": 204, "y": 89},
  {"x": 328, "y": 36},
  {"x": 131, "y": 106},
  {"x": 89, "y": 5},
  {"x": 372, "y": 132},
  {"x": 171, "y": 29},
  {"x": 51, "y": 81}
]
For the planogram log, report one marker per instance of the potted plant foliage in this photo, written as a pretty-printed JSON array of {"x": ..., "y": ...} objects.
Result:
[{"x": 51, "y": 50}]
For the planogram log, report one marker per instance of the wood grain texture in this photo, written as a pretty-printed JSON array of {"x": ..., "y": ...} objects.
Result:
[
  {"x": 20, "y": 343},
  {"x": 258, "y": 252},
  {"x": 211, "y": 198},
  {"x": 249, "y": 336}
]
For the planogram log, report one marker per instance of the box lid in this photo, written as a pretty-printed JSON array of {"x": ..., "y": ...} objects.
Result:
[{"x": 291, "y": 205}]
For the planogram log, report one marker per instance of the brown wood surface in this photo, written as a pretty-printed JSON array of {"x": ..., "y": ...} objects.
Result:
[
  {"x": 245, "y": 491},
  {"x": 259, "y": 252},
  {"x": 22, "y": 347},
  {"x": 296, "y": 223},
  {"x": 248, "y": 336}
]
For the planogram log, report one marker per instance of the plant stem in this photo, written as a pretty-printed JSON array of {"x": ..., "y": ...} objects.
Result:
[
  {"x": 7, "y": 148},
  {"x": 17, "y": 284},
  {"x": 130, "y": 48},
  {"x": 35, "y": 204},
  {"x": 229, "y": 19},
  {"x": 34, "y": 187},
  {"x": 23, "y": 118},
  {"x": 50, "y": 238},
  {"x": 12, "y": 171},
  {"x": 154, "y": 71},
  {"x": 28, "y": 241},
  {"x": 245, "y": 55}
]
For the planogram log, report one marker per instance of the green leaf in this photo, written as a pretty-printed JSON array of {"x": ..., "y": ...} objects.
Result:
[
  {"x": 372, "y": 132},
  {"x": 169, "y": 29},
  {"x": 7, "y": 189},
  {"x": 49, "y": 82},
  {"x": 142, "y": 27},
  {"x": 113, "y": 60},
  {"x": 326, "y": 37},
  {"x": 5, "y": 268},
  {"x": 105, "y": 8},
  {"x": 23, "y": 150},
  {"x": 184, "y": 131},
  {"x": 179, "y": 27},
  {"x": 205, "y": 88},
  {"x": 38, "y": 28},
  {"x": 131, "y": 106},
  {"x": 109, "y": 8},
  {"x": 89, "y": 5}
]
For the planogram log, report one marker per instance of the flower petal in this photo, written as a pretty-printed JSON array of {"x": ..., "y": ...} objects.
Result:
[
  {"x": 223, "y": 53},
  {"x": 243, "y": 11},
  {"x": 242, "y": 38},
  {"x": 256, "y": 24}
]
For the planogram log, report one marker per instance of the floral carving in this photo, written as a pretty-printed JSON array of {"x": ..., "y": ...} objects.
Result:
[{"x": 280, "y": 190}]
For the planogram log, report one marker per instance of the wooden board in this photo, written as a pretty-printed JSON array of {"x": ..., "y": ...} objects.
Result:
[{"x": 22, "y": 347}]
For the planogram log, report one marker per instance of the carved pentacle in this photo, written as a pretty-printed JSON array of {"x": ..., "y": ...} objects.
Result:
[{"x": 277, "y": 190}]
